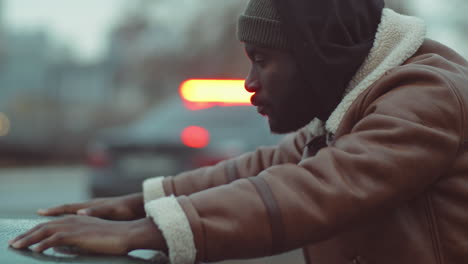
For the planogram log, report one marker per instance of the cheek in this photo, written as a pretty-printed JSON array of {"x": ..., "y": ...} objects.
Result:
[{"x": 276, "y": 80}]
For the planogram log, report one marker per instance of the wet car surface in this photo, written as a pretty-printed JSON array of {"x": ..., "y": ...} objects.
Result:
[{"x": 10, "y": 228}]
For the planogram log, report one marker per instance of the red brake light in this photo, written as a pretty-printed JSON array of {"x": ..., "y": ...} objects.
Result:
[
  {"x": 206, "y": 93},
  {"x": 195, "y": 137},
  {"x": 98, "y": 159}
]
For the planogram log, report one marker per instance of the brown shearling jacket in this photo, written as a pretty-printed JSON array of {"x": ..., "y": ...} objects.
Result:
[{"x": 385, "y": 180}]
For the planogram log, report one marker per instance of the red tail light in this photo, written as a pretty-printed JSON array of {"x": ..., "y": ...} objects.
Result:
[
  {"x": 195, "y": 137},
  {"x": 98, "y": 159}
]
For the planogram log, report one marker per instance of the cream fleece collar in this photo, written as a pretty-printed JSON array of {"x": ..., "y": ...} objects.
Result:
[{"x": 398, "y": 38}]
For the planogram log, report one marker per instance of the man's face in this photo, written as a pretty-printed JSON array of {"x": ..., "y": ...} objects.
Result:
[{"x": 279, "y": 91}]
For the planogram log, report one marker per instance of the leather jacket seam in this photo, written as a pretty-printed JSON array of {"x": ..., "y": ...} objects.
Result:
[
  {"x": 460, "y": 106},
  {"x": 274, "y": 213},
  {"x": 462, "y": 113},
  {"x": 434, "y": 230}
]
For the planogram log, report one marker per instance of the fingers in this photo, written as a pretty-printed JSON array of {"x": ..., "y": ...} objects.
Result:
[
  {"x": 108, "y": 212},
  {"x": 63, "y": 209},
  {"x": 85, "y": 233},
  {"x": 107, "y": 208},
  {"x": 16, "y": 239},
  {"x": 32, "y": 237},
  {"x": 45, "y": 235},
  {"x": 55, "y": 240},
  {"x": 70, "y": 250},
  {"x": 98, "y": 211}
]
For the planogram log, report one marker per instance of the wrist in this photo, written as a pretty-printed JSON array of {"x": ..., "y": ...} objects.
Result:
[{"x": 144, "y": 234}]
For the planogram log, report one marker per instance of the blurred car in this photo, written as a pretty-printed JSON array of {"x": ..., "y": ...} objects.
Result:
[{"x": 211, "y": 121}]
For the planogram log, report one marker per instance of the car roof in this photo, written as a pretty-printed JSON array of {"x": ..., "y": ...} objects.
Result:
[
  {"x": 10, "y": 228},
  {"x": 168, "y": 119}
]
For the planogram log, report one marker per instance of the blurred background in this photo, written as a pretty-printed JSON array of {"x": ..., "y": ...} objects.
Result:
[
  {"x": 82, "y": 84},
  {"x": 90, "y": 100}
]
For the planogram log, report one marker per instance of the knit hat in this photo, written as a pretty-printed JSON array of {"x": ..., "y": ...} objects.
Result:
[
  {"x": 340, "y": 21},
  {"x": 260, "y": 25},
  {"x": 330, "y": 39}
]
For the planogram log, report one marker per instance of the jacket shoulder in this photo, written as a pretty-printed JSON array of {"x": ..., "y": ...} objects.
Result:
[{"x": 430, "y": 89}]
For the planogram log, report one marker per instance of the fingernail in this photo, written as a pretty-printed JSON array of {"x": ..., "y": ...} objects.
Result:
[
  {"x": 82, "y": 212},
  {"x": 41, "y": 211},
  {"x": 16, "y": 244},
  {"x": 11, "y": 242}
]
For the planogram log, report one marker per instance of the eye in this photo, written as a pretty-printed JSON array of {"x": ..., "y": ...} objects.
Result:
[{"x": 259, "y": 58}]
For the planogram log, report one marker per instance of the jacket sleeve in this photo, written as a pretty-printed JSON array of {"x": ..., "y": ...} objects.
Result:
[
  {"x": 401, "y": 143},
  {"x": 250, "y": 164}
]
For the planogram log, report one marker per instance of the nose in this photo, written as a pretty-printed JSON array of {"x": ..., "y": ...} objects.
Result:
[{"x": 251, "y": 84}]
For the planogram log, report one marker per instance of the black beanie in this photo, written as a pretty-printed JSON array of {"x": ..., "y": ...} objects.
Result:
[
  {"x": 260, "y": 25},
  {"x": 330, "y": 39}
]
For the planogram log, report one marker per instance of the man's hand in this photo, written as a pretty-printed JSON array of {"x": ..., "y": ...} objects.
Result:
[
  {"x": 124, "y": 208},
  {"x": 93, "y": 236}
]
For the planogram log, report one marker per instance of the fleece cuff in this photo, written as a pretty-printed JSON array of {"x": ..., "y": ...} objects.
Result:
[
  {"x": 170, "y": 218},
  {"x": 153, "y": 189}
]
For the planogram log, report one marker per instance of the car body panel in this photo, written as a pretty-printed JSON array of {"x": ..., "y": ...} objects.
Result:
[{"x": 153, "y": 145}]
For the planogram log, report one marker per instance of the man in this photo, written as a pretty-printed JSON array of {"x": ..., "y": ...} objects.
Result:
[{"x": 376, "y": 171}]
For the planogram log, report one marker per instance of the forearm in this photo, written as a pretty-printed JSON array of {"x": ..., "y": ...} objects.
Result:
[{"x": 250, "y": 164}]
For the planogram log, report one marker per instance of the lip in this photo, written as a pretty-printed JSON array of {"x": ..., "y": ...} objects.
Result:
[
  {"x": 255, "y": 101},
  {"x": 261, "y": 110}
]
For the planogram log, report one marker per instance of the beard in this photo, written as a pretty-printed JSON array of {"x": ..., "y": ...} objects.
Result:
[
  {"x": 301, "y": 103},
  {"x": 288, "y": 122},
  {"x": 295, "y": 109}
]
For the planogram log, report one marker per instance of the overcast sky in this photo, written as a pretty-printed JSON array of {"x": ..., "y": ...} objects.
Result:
[{"x": 82, "y": 24}]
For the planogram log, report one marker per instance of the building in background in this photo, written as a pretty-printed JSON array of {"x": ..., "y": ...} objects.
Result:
[
  {"x": 55, "y": 103},
  {"x": 2, "y": 34},
  {"x": 446, "y": 20}
]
